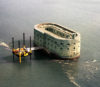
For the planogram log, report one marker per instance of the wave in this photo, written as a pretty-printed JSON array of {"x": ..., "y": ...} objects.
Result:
[
  {"x": 69, "y": 73},
  {"x": 72, "y": 79},
  {"x": 89, "y": 68},
  {"x": 4, "y": 45},
  {"x": 92, "y": 61}
]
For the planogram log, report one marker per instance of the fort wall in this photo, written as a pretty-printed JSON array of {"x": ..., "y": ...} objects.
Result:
[{"x": 65, "y": 47}]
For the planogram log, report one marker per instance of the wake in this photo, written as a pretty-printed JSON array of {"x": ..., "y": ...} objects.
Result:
[{"x": 3, "y": 44}]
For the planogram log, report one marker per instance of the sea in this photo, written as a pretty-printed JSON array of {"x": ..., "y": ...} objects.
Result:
[{"x": 18, "y": 16}]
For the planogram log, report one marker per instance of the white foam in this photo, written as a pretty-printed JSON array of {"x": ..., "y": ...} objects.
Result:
[
  {"x": 72, "y": 79},
  {"x": 8, "y": 47},
  {"x": 91, "y": 61},
  {"x": 94, "y": 60},
  {"x": 4, "y": 44},
  {"x": 34, "y": 48}
]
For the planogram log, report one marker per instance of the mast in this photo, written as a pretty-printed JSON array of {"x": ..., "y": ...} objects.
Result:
[
  {"x": 19, "y": 51},
  {"x": 13, "y": 46},
  {"x": 30, "y": 48},
  {"x": 19, "y": 44},
  {"x": 24, "y": 39}
]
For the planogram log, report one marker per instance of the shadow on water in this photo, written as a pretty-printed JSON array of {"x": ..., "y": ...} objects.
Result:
[
  {"x": 9, "y": 59},
  {"x": 41, "y": 54}
]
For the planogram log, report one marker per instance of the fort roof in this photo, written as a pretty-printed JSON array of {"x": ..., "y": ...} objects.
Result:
[{"x": 55, "y": 30}]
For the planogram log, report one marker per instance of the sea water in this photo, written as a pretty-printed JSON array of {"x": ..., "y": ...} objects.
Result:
[{"x": 18, "y": 16}]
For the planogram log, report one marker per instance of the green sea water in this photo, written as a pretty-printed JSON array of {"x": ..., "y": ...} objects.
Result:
[{"x": 18, "y": 16}]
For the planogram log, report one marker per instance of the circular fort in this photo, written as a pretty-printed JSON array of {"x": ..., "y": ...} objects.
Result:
[{"x": 61, "y": 41}]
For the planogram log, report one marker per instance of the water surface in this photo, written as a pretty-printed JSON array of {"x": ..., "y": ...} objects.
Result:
[{"x": 18, "y": 16}]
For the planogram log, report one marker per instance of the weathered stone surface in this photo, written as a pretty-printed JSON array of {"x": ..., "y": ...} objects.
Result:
[{"x": 56, "y": 39}]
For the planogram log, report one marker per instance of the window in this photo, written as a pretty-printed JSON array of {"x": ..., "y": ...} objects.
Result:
[
  {"x": 67, "y": 36},
  {"x": 61, "y": 43},
  {"x": 61, "y": 48},
  {"x": 48, "y": 39},
  {"x": 53, "y": 31},
  {"x": 55, "y": 42},
  {"x": 68, "y": 44}
]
